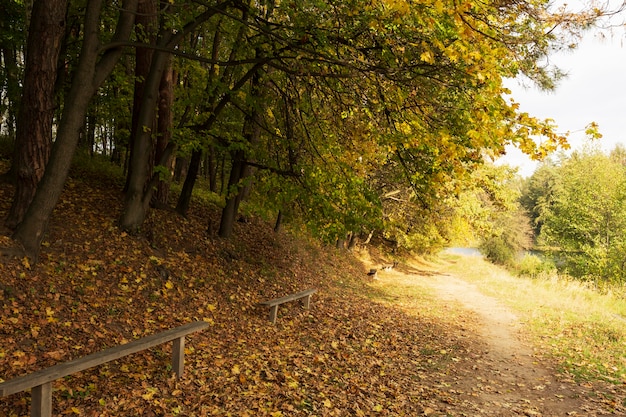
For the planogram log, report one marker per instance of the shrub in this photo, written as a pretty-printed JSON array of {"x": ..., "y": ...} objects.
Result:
[
  {"x": 496, "y": 250},
  {"x": 532, "y": 266}
]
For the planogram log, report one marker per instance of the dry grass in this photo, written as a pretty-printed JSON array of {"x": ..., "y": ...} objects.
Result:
[{"x": 585, "y": 330}]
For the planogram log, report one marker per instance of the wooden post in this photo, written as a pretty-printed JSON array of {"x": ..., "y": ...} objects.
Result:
[
  {"x": 41, "y": 397},
  {"x": 273, "y": 313},
  {"x": 307, "y": 301},
  {"x": 178, "y": 355}
]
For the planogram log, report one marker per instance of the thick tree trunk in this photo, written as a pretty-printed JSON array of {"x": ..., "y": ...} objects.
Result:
[
  {"x": 146, "y": 24},
  {"x": 190, "y": 180},
  {"x": 240, "y": 170},
  {"x": 34, "y": 127},
  {"x": 89, "y": 75},
  {"x": 138, "y": 196}
]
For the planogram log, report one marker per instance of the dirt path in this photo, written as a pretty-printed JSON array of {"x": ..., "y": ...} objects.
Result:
[
  {"x": 501, "y": 375},
  {"x": 506, "y": 378}
]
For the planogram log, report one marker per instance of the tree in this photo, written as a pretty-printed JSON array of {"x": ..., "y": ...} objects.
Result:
[
  {"x": 142, "y": 181},
  {"x": 37, "y": 106},
  {"x": 12, "y": 42},
  {"x": 390, "y": 89},
  {"x": 585, "y": 218},
  {"x": 488, "y": 210},
  {"x": 96, "y": 63}
]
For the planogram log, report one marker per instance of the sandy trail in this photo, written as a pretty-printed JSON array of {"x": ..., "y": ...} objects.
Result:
[
  {"x": 500, "y": 375},
  {"x": 506, "y": 378}
]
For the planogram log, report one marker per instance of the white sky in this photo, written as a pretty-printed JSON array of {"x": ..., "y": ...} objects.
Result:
[{"x": 594, "y": 91}]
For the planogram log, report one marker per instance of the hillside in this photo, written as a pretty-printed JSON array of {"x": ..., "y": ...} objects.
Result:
[{"x": 358, "y": 351}]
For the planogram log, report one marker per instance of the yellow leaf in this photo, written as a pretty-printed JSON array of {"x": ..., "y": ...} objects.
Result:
[
  {"x": 211, "y": 307},
  {"x": 169, "y": 285},
  {"x": 235, "y": 370},
  {"x": 25, "y": 263},
  {"x": 427, "y": 57},
  {"x": 328, "y": 404},
  {"x": 378, "y": 408},
  {"x": 150, "y": 393}
]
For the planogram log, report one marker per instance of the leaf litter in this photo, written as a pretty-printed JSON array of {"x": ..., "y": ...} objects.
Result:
[{"x": 356, "y": 352}]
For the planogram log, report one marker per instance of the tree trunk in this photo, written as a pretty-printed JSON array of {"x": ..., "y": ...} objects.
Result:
[
  {"x": 240, "y": 170},
  {"x": 354, "y": 240},
  {"x": 12, "y": 88},
  {"x": 279, "y": 221},
  {"x": 138, "y": 196},
  {"x": 89, "y": 75},
  {"x": 212, "y": 167},
  {"x": 234, "y": 190},
  {"x": 180, "y": 168},
  {"x": 192, "y": 174},
  {"x": 34, "y": 128},
  {"x": 146, "y": 31},
  {"x": 164, "y": 132}
]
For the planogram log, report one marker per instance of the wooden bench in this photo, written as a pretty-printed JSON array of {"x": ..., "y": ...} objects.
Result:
[
  {"x": 273, "y": 304},
  {"x": 41, "y": 381}
]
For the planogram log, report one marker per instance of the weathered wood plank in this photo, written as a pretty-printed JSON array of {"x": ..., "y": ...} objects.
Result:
[
  {"x": 287, "y": 298},
  {"x": 273, "y": 304},
  {"x": 48, "y": 375},
  {"x": 178, "y": 356},
  {"x": 41, "y": 401}
]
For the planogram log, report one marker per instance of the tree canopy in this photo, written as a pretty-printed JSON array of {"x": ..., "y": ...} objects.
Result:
[
  {"x": 348, "y": 117},
  {"x": 579, "y": 209}
]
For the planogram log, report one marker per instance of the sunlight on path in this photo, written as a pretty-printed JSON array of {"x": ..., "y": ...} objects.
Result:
[{"x": 501, "y": 375}]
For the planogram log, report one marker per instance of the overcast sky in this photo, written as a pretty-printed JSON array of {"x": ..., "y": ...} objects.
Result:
[{"x": 594, "y": 91}]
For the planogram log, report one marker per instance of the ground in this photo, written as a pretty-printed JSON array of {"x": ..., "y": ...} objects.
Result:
[
  {"x": 411, "y": 342},
  {"x": 503, "y": 375}
]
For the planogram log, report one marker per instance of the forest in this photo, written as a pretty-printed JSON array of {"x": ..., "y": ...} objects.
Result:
[
  {"x": 165, "y": 162},
  {"x": 345, "y": 120}
]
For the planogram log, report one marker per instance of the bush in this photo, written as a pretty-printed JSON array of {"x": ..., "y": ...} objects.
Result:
[
  {"x": 532, "y": 266},
  {"x": 497, "y": 251}
]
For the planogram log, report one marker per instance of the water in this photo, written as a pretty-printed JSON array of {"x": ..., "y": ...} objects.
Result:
[{"x": 464, "y": 251}]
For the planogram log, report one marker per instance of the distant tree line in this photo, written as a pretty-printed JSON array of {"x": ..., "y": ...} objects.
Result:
[
  {"x": 577, "y": 204},
  {"x": 349, "y": 116}
]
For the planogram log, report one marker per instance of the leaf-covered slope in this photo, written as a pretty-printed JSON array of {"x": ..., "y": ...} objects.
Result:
[{"x": 95, "y": 287}]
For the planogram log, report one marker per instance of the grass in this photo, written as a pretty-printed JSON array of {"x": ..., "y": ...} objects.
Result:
[{"x": 583, "y": 329}]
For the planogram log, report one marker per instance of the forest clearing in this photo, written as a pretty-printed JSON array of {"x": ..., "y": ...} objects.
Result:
[{"x": 400, "y": 344}]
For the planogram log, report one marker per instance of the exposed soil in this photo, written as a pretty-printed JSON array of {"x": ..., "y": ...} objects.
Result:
[{"x": 504, "y": 375}]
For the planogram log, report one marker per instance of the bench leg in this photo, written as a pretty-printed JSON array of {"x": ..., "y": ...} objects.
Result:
[
  {"x": 306, "y": 301},
  {"x": 178, "y": 356},
  {"x": 273, "y": 313},
  {"x": 41, "y": 401}
]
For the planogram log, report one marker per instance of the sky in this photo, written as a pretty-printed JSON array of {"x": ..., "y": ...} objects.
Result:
[{"x": 594, "y": 91}]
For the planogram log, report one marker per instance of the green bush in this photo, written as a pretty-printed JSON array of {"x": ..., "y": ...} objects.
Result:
[
  {"x": 496, "y": 250},
  {"x": 532, "y": 266}
]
